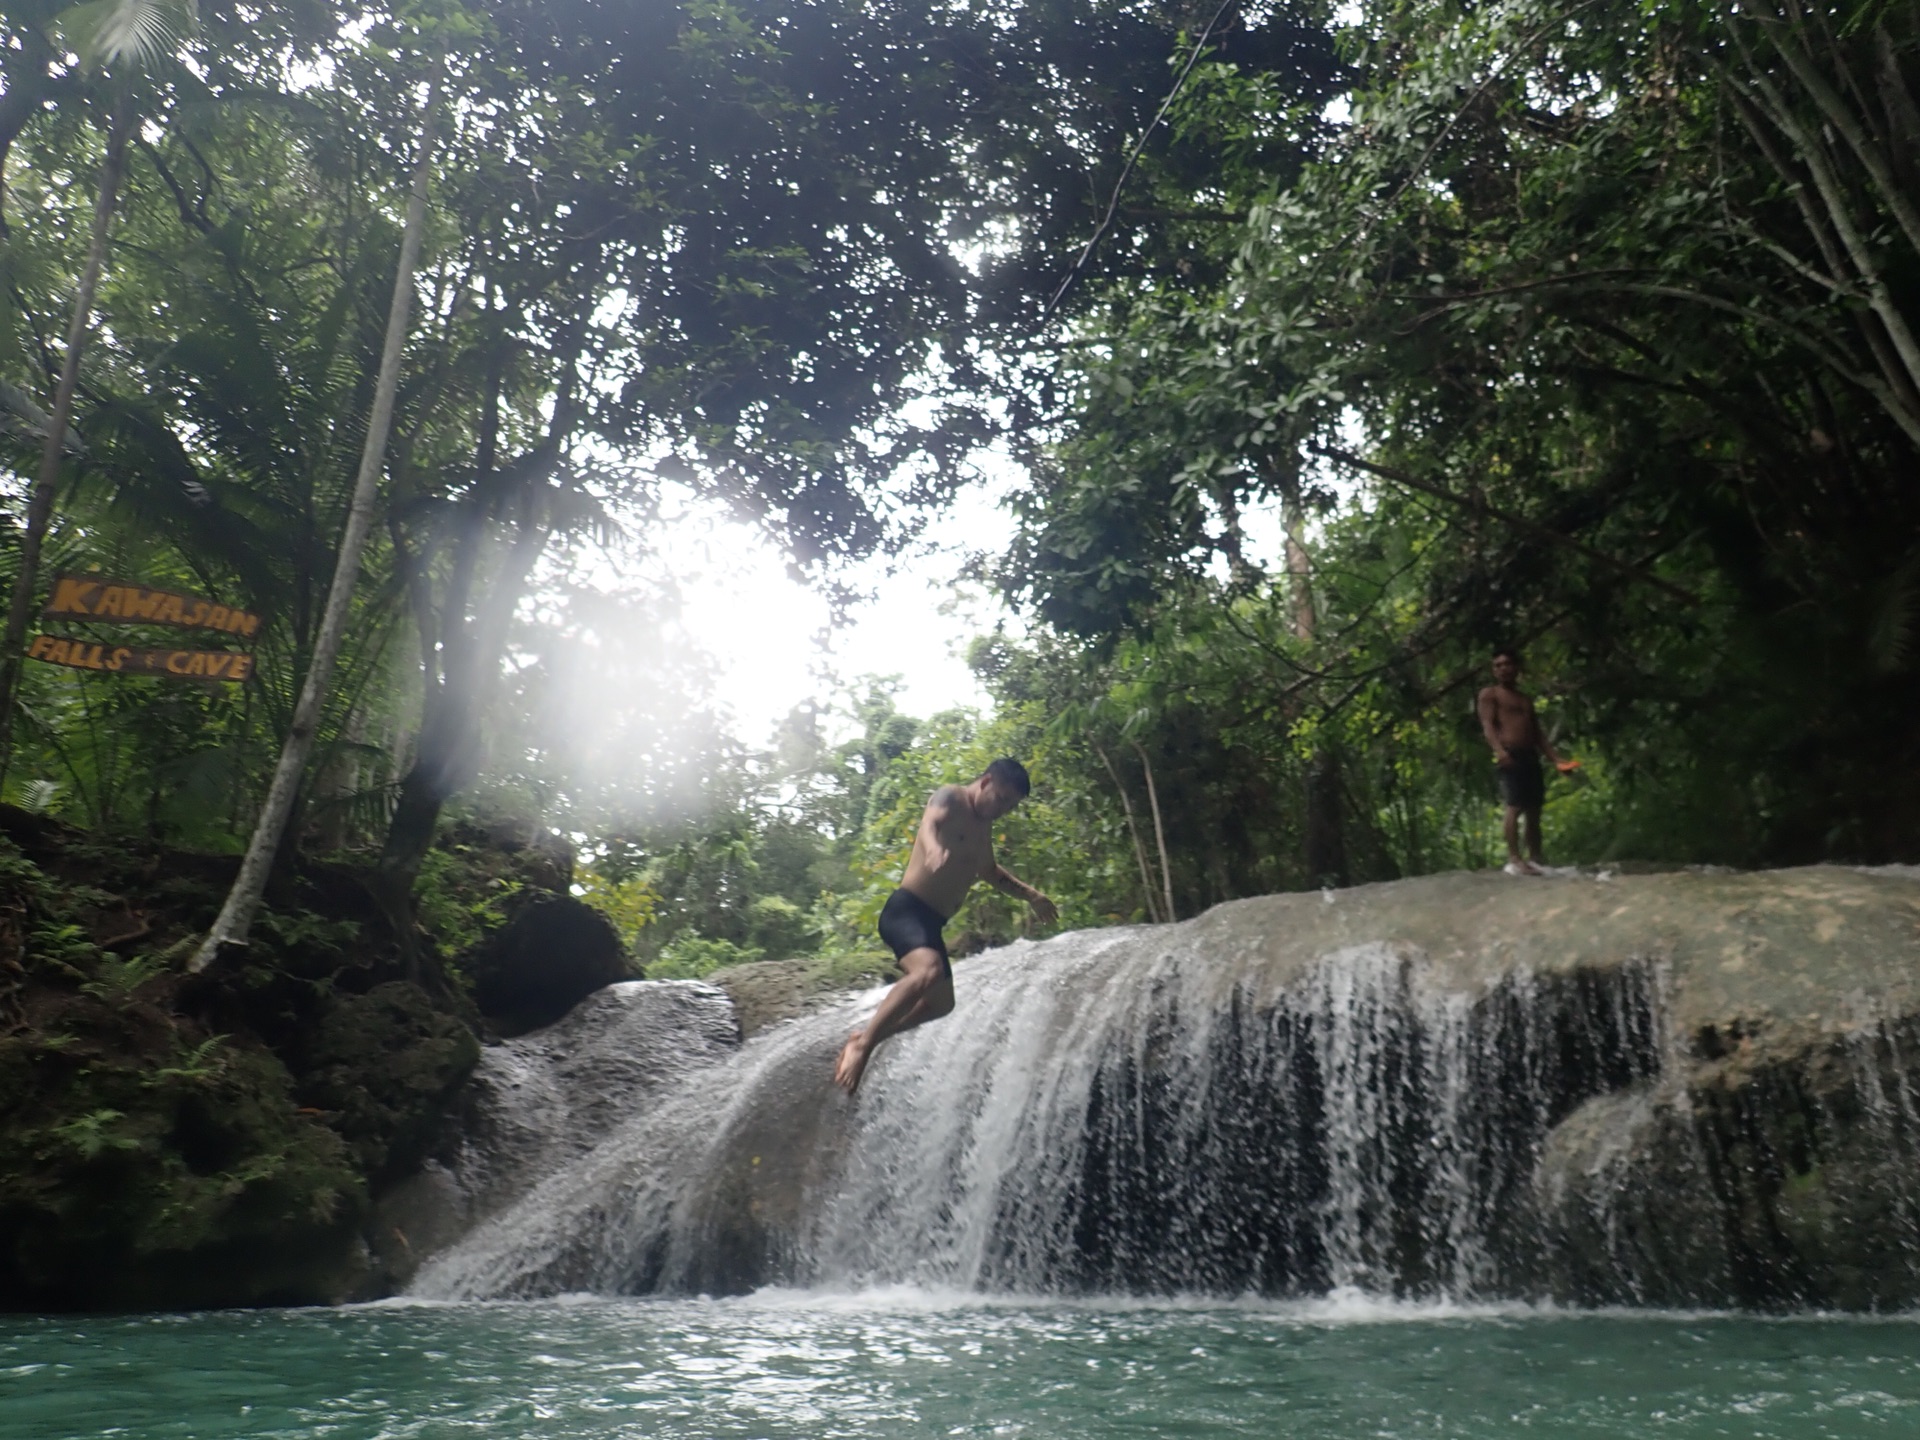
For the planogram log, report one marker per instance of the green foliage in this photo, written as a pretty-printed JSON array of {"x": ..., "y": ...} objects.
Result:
[
  {"x": 148, "y": 1157},
  {"x": 198, "y": 1062},
  {"x": 630, "y": 904},
  {"x": 94, "y": 1133},
  {"x": 1559, "y": 345},
  {"x": 116, "y": 979},
  {"x": 780, "y": 928},
  {"x": 692, "y": 957},
  {"x": 296, "y": 929},
  {"x": 692, "y": 197},
  {"x": 462, "y": 903},
  {"x": 1590, "y": 329}
]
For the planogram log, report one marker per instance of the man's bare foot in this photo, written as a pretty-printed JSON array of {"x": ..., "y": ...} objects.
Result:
[{"x": 852, "y": 1063}]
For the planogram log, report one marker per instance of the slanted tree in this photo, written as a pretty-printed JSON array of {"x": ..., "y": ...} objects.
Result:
[{"x": 237, "y": 911}]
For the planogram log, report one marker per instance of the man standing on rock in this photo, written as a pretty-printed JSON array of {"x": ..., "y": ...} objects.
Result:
[
  {"x": 1512, "y": 728},
  {"x": 953, "y": 848}
]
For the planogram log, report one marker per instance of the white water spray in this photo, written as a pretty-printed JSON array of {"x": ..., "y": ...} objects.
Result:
[{"x": 1112, "y": 1111}]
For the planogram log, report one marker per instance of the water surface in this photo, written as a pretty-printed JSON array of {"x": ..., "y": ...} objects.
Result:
[{"x": 904, "y": 1365}]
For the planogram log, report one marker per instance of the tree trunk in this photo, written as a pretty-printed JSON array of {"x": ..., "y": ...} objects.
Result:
[
  {"x": 1326, "y": 841},
  {"x": 1133, "y": 833},
  {"x": 448, "y": 754},
  {"x": 1159, "y": 831},
  {"x": 40, "y": 498},
  {"x": 1326, "y": 845},
  {"x": 1306, "y": 623},
  {"x": 236, "y": 916}
]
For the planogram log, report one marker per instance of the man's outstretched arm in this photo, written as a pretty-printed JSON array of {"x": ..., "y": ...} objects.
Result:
[{"x": 1008, "y": 883}]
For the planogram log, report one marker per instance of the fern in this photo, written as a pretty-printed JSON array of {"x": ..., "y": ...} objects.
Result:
[
  {"x": 91, "y": 1134},
  {"x": 37, "y": 796},
  {"x": 1890, "y": 638},
  {"x": 199, "y": 1063},
  {"x": 116, "y": 979}
]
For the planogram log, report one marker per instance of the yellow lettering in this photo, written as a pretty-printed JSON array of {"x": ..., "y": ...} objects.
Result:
[
  {"x": 118, "y": 658},
  {"x": 177, "y": 661},
  {"x": 143, "y": 603},
  {"x": 57, "y": 652},
  {"x": 197, "y": 615},
  {"x": 170, "y": 612},
  {"x": 70, "y": 596},
  {"x": 89, "y": 656},
  {"x": 197, "y": 665},
  {"x": 217, "y": 618},
  {"x": 248, "y": 623},
  {"x": 242, "y": 667},
  {"x": 109, "y": 603},
  {"x": 41, "y": 644}
]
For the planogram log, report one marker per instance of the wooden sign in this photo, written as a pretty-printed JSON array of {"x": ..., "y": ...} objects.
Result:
[
  {"x": 126, "y": 660},
  {"x": 88, "y": 597}
]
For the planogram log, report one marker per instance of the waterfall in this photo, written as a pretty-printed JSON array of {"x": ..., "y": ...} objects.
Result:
[
  {"x": 1114, "y": 1111},
  {"x": 1677, "y": 1090}
]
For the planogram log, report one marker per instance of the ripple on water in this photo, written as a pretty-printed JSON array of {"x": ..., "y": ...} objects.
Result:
[{"x": 902, "y": 1364}]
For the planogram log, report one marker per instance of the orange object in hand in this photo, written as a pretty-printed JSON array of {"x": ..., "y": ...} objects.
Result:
[{"x": 1567, "y": 767}]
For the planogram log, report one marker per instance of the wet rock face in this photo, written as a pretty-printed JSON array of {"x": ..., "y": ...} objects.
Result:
[
  {"x": 552, "y": 956},
  {"x": 1781, "y": 1176},
  {"x": 539, "y": 1102}
]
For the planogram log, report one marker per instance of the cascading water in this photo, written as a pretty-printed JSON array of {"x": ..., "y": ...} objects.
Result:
[
  {"x": 1106, "y": 1112},
  {"x": 1568, "y": 1090}
]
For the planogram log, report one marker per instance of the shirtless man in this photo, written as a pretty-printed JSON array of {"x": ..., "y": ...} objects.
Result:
[
  {"x": 954, "y": 848},
  {"x": 1513, "y": 730}
]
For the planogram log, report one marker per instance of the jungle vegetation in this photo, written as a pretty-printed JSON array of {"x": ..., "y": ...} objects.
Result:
[{"x": 1334, "y": 345}]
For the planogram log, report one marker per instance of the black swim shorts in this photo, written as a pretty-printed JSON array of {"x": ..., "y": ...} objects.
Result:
[
  {"x": 1523, "y": 785},
  {"x": 909, "y": 923}
]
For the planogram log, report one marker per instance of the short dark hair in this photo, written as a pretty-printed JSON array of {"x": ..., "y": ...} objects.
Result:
[
  {"x": 1010, "y": 773},
  {"x": 1512, "y": 654}
]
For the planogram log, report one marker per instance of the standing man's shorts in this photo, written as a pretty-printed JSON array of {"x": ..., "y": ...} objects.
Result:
[
  {"x": 1522, "y": 784},
  {"x": 909, "y": 923}
]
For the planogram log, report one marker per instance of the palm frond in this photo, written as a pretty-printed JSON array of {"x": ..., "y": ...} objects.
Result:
[
  {"x": 1891, "y": 632},
  {"x": 577, "y": 514},
  {"x": 37, "y": 796},
  {"x": 22, "y": 417},
  {"x": 367, "y": 811},
  {"x": 123, "y": 32}
]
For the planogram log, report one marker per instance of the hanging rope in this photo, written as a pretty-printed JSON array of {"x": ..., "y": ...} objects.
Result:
[{"x": 1113, "y": 204}]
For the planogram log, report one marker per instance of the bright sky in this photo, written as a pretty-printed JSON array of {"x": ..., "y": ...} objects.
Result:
[{"x": 768, "y": 634}]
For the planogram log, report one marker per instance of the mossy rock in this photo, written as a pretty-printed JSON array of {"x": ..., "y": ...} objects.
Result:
[
  {"x": 143, "y": 1164},
  {"x": 173, "y": 1140},
  {"x": 382, "y": 1069},
  {"x": 769, "y": 992}
]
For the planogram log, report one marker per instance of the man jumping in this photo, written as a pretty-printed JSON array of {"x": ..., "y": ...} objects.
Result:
[
  {"x": 953, "y": 848},
  {"x": 1512, "y": 728}
]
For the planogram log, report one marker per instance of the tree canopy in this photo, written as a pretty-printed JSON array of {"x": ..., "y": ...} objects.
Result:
[{"x": 1396, "y": 336}]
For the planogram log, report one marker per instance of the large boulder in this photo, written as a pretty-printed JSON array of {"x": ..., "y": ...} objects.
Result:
[
  {"x": 1691, "y": 1088},
  {"x": 539, "y": 1102},
  {"x": 552, "y": 956}
]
